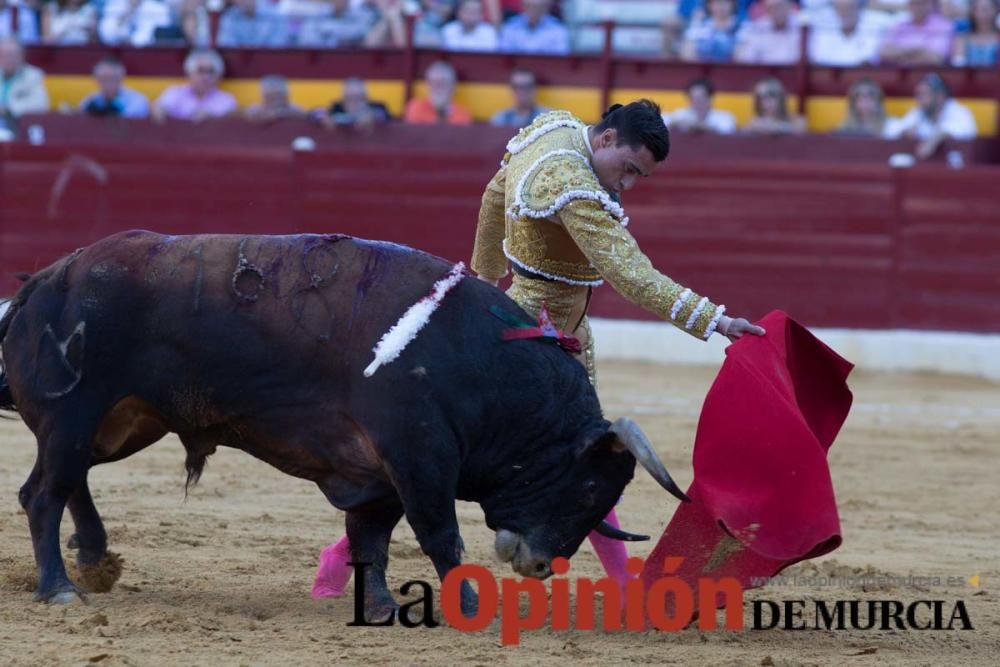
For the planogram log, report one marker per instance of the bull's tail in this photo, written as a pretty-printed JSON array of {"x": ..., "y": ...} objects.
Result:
[
  {"x": 6, "y": 398},
  {"x": 9, "y": 308}
]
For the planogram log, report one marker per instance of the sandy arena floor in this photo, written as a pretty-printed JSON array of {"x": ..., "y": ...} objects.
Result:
[{"x": 224, "y": 578}]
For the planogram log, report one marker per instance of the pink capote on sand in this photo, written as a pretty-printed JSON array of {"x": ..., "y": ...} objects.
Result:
[{"x": 762, "y": 498}]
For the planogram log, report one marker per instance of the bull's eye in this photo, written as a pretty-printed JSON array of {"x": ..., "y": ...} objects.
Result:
[{"x": 589, "y": 493}]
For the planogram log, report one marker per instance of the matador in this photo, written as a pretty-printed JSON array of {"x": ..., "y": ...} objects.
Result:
[{"x": 552, "y": 212}]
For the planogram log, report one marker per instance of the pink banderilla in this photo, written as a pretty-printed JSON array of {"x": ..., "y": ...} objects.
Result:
[{"x": 334, "y": 572}]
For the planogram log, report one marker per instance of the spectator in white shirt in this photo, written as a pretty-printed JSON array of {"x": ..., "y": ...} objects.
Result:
[
  {"x": 936, "y": 117},
  {"x": 133, "y": 22},
  {"x": 699, "y": 116},
  {"x": 22, "y": 86},
  {"x": 470, "y": 32},
  {"x": 845, "y": 35},
  {"x": 773, "y": 39},
  {"x": 69, "y": 22}
]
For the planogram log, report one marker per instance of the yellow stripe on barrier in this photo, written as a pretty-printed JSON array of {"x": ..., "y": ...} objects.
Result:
[
  {"x": 307, "y": 93},
  {"x": 483, "y": 100},
  {"x": 823, "y": 113},
  {"x": 738, "y": 104},
  {"x": 827, "y": 113}
]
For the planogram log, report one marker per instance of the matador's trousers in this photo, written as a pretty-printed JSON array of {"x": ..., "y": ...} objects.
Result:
[{"x": 567, "y": 304}]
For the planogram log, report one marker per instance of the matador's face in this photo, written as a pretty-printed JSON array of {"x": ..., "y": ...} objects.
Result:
[{"x": 619, "y": 166}]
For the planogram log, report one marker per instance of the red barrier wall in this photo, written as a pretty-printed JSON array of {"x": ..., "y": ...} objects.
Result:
[
  {"x": 834, "y": 244},
  {"x": 80, "y": 129}
]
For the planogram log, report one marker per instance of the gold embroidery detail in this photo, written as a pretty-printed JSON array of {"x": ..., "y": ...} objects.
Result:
[{"x": 581, "y": 241}]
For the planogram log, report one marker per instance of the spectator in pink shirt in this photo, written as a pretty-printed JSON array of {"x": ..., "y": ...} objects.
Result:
[
  {"x": 923, "y": 40},
  {"x": 200, "y": 98},
  {"x": 772, "y": 39}
]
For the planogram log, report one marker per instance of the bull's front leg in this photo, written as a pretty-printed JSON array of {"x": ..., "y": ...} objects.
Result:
[
  {"x": 369, "y": 531},
  {"x": 430, "y": 510}
]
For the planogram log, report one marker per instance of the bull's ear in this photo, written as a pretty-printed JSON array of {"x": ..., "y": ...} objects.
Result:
[{"x": 598, "y": 441}]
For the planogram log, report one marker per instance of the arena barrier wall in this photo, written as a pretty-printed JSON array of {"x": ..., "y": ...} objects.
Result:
[
  {"x": 838, "y": 245},
  {"x": 898, "y": 350},
  {"x": 77, "y": 129}
]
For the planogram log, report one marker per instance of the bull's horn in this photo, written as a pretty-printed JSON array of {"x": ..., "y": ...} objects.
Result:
[
  {"x": 607, "y": 530},
  {"x": 631, "y": 436}
]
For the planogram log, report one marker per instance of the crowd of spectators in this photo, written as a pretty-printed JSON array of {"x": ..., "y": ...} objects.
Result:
[
  {"x": 936, "y": 115},
  {"x": 841, "y": 32},
  {"x": 460, "y": 25}
]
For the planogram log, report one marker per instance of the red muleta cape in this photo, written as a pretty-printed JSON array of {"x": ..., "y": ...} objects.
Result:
[{"x": 762, "y": 498}]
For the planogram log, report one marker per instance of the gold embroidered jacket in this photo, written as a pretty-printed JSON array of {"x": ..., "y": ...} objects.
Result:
[{"x": 546, "y": 212}]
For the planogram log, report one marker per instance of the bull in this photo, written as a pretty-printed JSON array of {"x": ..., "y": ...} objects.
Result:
[{"x": 259, "y": 343}]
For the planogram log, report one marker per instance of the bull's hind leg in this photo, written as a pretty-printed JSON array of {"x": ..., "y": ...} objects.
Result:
[
  {"x": 129, "y": 427},
  {"x": 98, "y": 568},
  {"x": 90, "y": 537},
  {"x": 64, "y": 450},
  {"x": 369, "y": 531}
]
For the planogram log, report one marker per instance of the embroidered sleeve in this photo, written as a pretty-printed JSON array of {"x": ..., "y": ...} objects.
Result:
[
  {"x": 616, "y": 256},
  {"x": 555, "y": 179},
  {"x": 488, "y": 258}
]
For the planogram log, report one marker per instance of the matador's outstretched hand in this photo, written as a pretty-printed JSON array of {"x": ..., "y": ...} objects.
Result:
[{"x": 734, "y": 328}]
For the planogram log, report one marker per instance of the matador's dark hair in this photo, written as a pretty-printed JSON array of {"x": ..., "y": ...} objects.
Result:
[{"x": 639, "y": 123}]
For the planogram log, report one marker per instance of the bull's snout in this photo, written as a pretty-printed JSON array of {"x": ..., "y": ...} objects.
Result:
[
  {"x": 538, "y": 568},
  {"x": 511, "y": 547}
]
